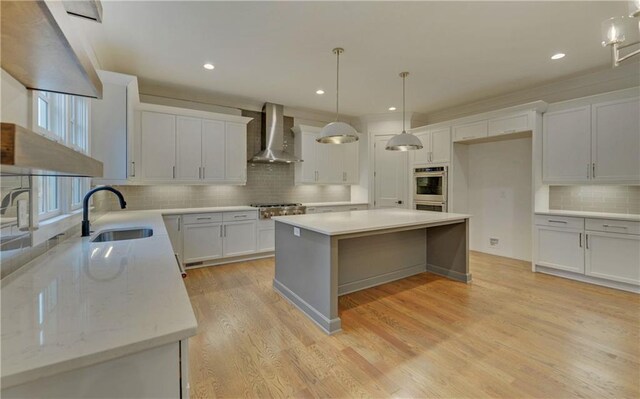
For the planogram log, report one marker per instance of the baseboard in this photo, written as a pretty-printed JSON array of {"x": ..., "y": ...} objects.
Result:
[
  {"x": 453, "y": 275},
  {"x": 330, "y": 326},
  {"x": 223, "y": 261},
  {"x": 588, "y": 279},
  {"x": 381, "y": 279}
]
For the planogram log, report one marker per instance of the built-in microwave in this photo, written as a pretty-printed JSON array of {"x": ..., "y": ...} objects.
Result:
[{"x": 430, "y": 184}]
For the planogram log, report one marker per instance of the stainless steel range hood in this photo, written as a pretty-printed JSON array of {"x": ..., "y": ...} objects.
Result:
[{"x": 272, "y": 136}]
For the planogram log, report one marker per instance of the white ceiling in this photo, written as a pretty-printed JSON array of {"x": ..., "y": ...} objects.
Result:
[{"x": 456, "y": 52}]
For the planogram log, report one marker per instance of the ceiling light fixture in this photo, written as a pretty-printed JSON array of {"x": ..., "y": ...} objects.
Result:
[
  {"x": 392, "y": 108},
  {"x": 208, "y": 66},
  {"x": 320, "y": 91},
  {"x": 403, "y": 141},
  {"x": 618, "y": 30},
  {"x": 558, "y": 56},
  {"x": 337, "y": 132}
]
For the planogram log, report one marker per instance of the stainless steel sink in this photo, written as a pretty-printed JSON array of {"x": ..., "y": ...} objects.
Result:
[{"x": 123, "y": 234}]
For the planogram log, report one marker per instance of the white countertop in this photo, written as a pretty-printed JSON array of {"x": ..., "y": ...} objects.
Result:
[
  {"x": 341, "y": 203},
  {"x": 592, "y": 215},
  {"x": 367, "y": 220},
  {"x": 83, "y": 303}
]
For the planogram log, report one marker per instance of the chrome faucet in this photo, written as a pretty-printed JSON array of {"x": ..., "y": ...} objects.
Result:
[{"x": 86, "y": 227}]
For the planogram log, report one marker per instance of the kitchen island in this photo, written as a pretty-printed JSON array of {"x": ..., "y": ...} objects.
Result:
[{"x": 322, "y": 256}]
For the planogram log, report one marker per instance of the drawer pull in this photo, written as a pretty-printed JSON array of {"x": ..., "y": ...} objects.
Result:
[
  {"x": 240, "y": 216},
  {"x": 611, "y": 226},
  {"x": 586, "y": 240},
  {"x": 557, "y": 221},
  {"x": 203, "y": 218},
  {"x": 580, "y": 240}
]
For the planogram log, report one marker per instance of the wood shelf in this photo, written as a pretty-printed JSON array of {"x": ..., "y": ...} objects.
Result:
[
  {"x": 41, "y": 50},
  {"x": 24, "y": 152}
]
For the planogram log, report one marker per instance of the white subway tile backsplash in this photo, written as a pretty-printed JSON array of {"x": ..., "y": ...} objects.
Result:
[{"x": 605, "y": 198}]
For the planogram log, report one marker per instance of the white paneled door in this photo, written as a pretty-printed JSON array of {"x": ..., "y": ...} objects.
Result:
[
  {"x": 566, "y": 137},
  {"x": 213, "y": 150},
  {"x": 391, "y": 170},
  {"x": 158, "y": 146}
]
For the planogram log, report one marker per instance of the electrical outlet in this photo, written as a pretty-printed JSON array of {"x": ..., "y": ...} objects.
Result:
[
  {"x": 493, "y": 242},
  {"x": 296, "y": 231}
]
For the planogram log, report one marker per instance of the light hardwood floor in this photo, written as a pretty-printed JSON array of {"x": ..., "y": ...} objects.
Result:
[{"x": 509, "y": 334}]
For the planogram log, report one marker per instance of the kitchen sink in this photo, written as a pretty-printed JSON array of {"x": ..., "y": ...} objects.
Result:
[{"x": 123, "y": 234}]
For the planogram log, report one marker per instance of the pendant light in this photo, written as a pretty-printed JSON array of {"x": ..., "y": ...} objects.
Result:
[
  {"x": 403, "y": 141},
  {"x": 337, "y": 132}
]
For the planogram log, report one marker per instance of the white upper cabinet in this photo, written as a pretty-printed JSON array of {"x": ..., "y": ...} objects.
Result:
[
  {"x": 324, "y": 163},
  {"x": 470, "y": 131},
  {"x": 508, "y": 124},
  {"x": 566, "y": 141},
  {"x": 235, "y": 146},
  {"x": 615, "y": 141},
  {"x": 158, "y": 146},
  {"x": 597, "y": 143},
  {"x": 213, "y": 150},
  {"x": 189, "y": 133},
  {"x": 192, "y": 148},
  {"x": 436, "y": 146}
]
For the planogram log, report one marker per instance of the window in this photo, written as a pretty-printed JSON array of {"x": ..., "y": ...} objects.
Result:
[{"x": 64, "y": 119}]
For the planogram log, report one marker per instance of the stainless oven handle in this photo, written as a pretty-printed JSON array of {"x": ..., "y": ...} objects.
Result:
[{"x": 429, "y": 174}]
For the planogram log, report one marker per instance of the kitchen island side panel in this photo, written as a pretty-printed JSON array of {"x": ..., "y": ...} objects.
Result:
[
  {"x": 448, "y": 251},
  {"x": 306, "y": 274}
]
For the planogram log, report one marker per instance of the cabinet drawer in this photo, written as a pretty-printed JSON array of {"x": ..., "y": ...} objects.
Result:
[
  {"x": 199, "y": 218},
  {"x": 470, "y": 131},
  {"x": 560, "y": 221},
  {"x": 613, "y": 226},
  {"x": 509, "y": 124},
  {"x": 238, "y": 216}
]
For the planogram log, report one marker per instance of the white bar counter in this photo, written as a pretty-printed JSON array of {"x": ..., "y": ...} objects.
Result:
[{"x": 322, "y": 256}]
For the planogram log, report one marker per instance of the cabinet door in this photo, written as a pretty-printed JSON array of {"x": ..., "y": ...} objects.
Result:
[
  {"x": 421, "y": 156},
  {"x": 158, "y": 145},
  {"x": 307, "y": 169},
  {"x": 330, "y": 163},
  {"x": 560, "y": 248},
  {"x": 508, "y": 125},
  {"x": 174, "y": 230},
  {"x": 239, "y": 238},
  {"x": 235, "y": 152},
  {"x": 440, "y": 146},
  {"x": 189, "y": 139},
  {"x": 202, "y": 242},
  {"x": 266, "y": 240},
  {"x": 213, "y": 150},
  {"x": 613, "y": 256},
  {"x": 615, "y": 141},
  {"x": 566, "y": 146},
  {"x": 470, "y": 131},
  {"x": 351, "y": 163}
]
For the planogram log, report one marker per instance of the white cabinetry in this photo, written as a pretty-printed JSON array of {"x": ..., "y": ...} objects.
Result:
[
  {"x": 239, "y": 238},
  {"x": 604, "y": 251},
  {"x": 158, "y": 146},
  {"x": 266, "y": 235},
  {"x": 202, "y": 241},
  {"x": 498, "y": 125},
  {"x": 324, "y": 163},
  {"x": 112, "y": 125},
  {"x": 436, "y": 146},
  {"x": 470, "y": 131},
  {"x": 193, "y": 148},
  {"x": 597, "y": 143},
  {"x": 508, "y": 124},
  {"x": 173, "y": 224}
]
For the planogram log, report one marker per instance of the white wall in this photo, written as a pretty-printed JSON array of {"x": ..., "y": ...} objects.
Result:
[
  {"x": 14, "y": 101},
  {"x": 499, "y": 197}
]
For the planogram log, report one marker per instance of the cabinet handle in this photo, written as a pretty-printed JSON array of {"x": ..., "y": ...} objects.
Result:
[
  {"x": 221, "y": 231},
  {"x": 240, "y": 216},
  {"x": 557, "y": 221},
  {"x": 610, "y": 226},
  {"x": 203, "y": 218},
  {"x": 580, "y": 240},
  {"x": 179, "y": 223},
  {"x": 586, "y": 240},
  {"x": 594, "y": 170},
  {"x": 174, "y": 172},
  {"x": 199, "y": 172},
  {"x": 133, "y": 169}
]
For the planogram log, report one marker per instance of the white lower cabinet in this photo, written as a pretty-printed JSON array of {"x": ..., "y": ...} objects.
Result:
[
  {"x": 613, "y": 256},
  {"x": 239, "y": 238},
  {"x": 266, "y": 235},
  {"x": 202, "y": 241},
  {"x": 173, "y": 224},
  {"x": 589, "y": 248}
]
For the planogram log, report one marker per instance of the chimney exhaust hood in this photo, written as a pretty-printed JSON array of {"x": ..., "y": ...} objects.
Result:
[{"x": 272, "y": 136}]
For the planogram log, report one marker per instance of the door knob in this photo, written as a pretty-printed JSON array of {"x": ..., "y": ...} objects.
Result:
[{"x": 399, "y": 202}]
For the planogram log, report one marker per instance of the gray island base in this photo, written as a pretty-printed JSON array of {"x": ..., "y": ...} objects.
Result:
[{"x": 322, "y": 256}]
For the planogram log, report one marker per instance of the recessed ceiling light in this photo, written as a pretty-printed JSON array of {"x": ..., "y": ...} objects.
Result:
[
  {"x": 558, "y": 56},
  {"x": 208, "y": 66},
  {"x": 319, "y": 91},
  {"x": 392, "y": 108}
]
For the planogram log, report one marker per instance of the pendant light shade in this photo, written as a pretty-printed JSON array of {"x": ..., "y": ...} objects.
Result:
[
  {"x": 403, "y": 141},
  {"x": 337, "y": 132}
]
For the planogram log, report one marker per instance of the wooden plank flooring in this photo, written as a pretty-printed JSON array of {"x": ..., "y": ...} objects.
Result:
[{"x": 509, "y": 334}]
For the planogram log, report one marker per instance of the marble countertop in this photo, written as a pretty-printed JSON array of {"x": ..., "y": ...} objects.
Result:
[
  {"x": 340, "y": 203},
  {"x": 367, "y": 220},
  {"x": 592, "y": 215},
  {"x": 83, "y": 303}
]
